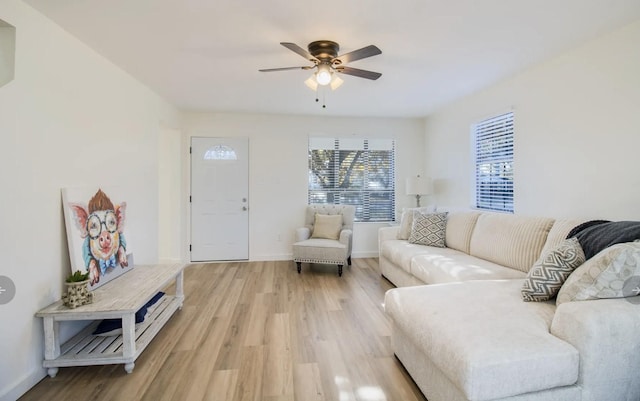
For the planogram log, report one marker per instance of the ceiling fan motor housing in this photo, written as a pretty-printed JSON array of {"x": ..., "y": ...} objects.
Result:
[{"x": 324, "y": 50}]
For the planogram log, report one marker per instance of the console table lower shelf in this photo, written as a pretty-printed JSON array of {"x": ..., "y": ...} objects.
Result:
[{"x": 118, "y": 299}]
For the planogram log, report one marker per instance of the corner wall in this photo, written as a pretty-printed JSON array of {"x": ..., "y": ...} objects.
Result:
[
  {"x": 577, "y": 133},
  {"x": 68, "y": 119}
]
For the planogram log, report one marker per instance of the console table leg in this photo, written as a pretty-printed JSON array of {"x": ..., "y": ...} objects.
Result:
[
  {"x": 128, "y": 367},
  {"x": 52, "y": 372},
  {"x": 128, "y": 335},
  {"x": 51, "y": 338},
  {"x": 180, "y": 288}
]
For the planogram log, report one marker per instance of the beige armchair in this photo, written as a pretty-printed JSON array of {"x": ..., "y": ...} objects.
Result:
[{"x": 325, "y": 238}]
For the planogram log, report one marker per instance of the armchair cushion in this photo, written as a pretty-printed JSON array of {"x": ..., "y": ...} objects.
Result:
[{"x": 327, "y": 226}]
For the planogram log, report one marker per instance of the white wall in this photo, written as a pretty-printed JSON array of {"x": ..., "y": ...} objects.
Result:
[
  {"x": 170, "y": 198},
  {"x": 68, "y": 119},
  {"x": 7, "y": 52},
  {"x": 577, "y": 133},
  {"x": 278, "y": 148}
]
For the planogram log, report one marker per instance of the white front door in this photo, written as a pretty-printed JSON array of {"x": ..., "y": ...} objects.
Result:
[{"x": 219, "y": 199}]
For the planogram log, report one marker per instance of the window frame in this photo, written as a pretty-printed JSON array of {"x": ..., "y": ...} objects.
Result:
[
  {"x": 372, "y": 205},
  {"x": 493, "y": 168}
]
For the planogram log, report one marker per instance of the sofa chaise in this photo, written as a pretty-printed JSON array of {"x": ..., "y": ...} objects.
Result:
[{"x": 462, "y": 330}]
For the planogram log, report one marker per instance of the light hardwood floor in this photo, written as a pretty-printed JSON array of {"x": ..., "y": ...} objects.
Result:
[{"x": 259, "y": 331}]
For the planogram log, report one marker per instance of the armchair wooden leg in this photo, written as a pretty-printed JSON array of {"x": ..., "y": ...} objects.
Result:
[
  {"x": 349, "y": 260},
  {"x": 299, "y": 265},
  {"x": 340, "y": 270}
]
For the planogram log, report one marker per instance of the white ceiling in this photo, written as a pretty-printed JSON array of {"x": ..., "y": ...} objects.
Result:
[{"x": 205, "y": 54}]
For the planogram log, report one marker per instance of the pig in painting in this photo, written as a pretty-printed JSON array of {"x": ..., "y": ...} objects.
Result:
[{"x": 100, "y": 226}]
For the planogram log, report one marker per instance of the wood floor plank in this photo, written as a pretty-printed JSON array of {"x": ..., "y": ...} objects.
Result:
[
  {"x": 259, "y": 331},
  {"x": 222, "y": 386},
  {"x": 201, "y": 368},
  {"x": 307, "y": 382},
  {"x": 259, "y": 313},
  {"x": 250, "y": 375},
  {"x": 278, "y": 364}
]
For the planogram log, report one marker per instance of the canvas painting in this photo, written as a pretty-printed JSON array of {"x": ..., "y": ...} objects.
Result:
[{"x": 95, "y": 225}]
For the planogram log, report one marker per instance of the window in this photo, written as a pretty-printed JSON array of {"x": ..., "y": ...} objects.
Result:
[
  {"x": 220, "y": 152},
  {"x": 493, "y": 142},
  {"x": 352, "y": 171}
]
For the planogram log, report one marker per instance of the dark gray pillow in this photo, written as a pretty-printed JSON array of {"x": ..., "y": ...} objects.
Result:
[{"x": 594, "y": 236}]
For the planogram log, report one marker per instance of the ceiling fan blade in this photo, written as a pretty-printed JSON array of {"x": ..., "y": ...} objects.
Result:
[
  {"x": 297, "y": 49},
  {"x": 365, "y": 52},
  {"x": 358, "y": 72},
  {"x": 305, "y": 67}
]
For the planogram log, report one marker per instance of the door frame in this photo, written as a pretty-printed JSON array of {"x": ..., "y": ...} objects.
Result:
[{"x": 189, "y": 227}]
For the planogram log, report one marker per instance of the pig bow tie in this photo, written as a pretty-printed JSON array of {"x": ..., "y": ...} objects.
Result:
[{"x": 108, "y": 263}]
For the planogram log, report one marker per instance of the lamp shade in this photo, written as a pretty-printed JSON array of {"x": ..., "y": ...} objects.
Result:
[
  {"x": 419, "y": 186},
  {"x": 311, "y": 83}
]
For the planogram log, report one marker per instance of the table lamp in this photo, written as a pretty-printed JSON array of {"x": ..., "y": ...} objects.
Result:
[{"x": 419, "y": 186}]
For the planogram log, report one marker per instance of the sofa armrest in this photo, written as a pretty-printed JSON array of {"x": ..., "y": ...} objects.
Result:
[
  {"x": 605, "y": 333},
  {"x": 303, "y": 233},
  {"x": 385, "y": 233}
]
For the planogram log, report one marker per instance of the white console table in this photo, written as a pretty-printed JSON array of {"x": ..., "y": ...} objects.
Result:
[{"x": 118, "y": 299}]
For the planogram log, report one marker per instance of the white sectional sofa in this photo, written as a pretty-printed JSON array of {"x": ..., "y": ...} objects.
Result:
[{"x": 463, "y": 331}]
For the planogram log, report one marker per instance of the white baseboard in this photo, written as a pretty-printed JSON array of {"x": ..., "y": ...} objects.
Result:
[
  {"x": 276, "y": 257},
  {"x": 289, "y": 256},
  {"x": 24, "y": 385},
  {"x": 169, "y": 260},
  {"x": 365, "y": 254},
  {"x": 282, "y": 256}
]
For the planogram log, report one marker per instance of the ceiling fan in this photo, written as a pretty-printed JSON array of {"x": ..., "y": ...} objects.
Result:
[{"x": 324, "y": 56}]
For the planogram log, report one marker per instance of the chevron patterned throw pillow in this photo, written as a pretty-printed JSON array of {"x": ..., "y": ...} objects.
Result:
[
  {"x": 428, "y": 229},
  {"x": 552, "y": 269}
]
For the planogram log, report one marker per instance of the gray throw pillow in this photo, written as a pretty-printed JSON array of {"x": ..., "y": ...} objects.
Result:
[
  {"x": 428, "y": 229},
  {"x": 550, "y": 271}
]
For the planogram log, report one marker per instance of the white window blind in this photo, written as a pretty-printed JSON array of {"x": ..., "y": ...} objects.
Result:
[
  {"x": 494, "y": 163},
  {"x": 354, "y": 171}
]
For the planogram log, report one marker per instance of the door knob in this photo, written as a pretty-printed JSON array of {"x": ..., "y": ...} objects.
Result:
[{"x": 244, "y": 208}]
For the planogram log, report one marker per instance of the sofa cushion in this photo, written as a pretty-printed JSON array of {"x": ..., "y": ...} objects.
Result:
[
  {"x": 605, "y": 275},
  {"x": 459, "y": 228},
  {"x": 552, "y": 269},
  {"x": 439, "y": 267},
  {"x": 401, "y": 252},
  {"x": 559, "y": 232},
  {"x": 406, "y": 219},
  {"x": 428, "y": 229},
  {"x": 509, "y": 240},
  {"x": 482, "y": 336}
]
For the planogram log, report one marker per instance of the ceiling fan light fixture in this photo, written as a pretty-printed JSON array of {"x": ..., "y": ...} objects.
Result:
[
  {"x": 323, "y": 76},
  {"x": 336, "y": 82},
  {"x": 311, "y": 83}
]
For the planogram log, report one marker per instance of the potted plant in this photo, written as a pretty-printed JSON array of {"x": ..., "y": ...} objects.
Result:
[{"x": 77, "y": 290}]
